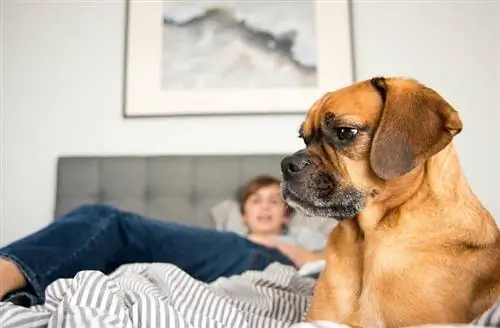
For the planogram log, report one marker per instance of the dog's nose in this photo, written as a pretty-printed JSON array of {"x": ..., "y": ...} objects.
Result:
[{"x": 293, "y": 164}]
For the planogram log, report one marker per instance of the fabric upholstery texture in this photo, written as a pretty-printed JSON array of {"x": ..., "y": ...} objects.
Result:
[{"x": 182, "y": 188}]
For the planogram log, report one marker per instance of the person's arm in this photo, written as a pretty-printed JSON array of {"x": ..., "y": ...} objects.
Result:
[{"x": 298, "y": 255}]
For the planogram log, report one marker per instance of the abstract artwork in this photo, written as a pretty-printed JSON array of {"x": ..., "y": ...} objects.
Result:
[
  {"x": 234, "y": 57},
  {"x": 238, "y": 44}
]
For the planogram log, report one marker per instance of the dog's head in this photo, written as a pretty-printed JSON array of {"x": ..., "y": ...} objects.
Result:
[{"x": 365, "y": 142}]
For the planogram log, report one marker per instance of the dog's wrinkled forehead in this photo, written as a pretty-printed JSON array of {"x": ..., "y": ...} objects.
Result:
[{"x": 358, "y": 104}]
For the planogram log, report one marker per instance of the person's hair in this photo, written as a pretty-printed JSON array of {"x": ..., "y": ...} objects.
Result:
[{"x": 254, "y": 185}]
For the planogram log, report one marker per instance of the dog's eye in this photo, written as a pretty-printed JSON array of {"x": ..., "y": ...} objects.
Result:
[{"x": 346, "y": 134}]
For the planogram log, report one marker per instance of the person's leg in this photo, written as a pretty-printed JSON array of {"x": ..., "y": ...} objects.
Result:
[
  {"x": 11, "y": 277},
  {"x": 98, "y": 237}
]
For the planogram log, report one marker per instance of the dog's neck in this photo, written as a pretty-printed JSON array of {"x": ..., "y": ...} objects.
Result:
[{"x": 437, "y": 192}]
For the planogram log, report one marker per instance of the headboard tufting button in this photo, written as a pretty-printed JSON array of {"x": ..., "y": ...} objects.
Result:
[
  {"x": 101, "y": 196},
  {"x": 148, "y": 194},
  {"x": 193, "y": 197}
]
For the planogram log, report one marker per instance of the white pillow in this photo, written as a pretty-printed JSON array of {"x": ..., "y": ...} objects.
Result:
[{"x": 227, "y": 216}]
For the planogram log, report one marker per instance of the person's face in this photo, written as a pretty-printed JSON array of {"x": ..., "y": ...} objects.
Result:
[{"x": 265, "y": 212}]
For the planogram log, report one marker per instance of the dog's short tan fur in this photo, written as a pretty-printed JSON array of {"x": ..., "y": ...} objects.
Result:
[{"x": 423, "y": 249}]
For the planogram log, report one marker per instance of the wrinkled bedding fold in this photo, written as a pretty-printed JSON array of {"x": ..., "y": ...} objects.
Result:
[{"x": 162, "y": 295}]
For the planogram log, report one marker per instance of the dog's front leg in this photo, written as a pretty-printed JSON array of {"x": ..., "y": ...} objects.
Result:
[{"x": 337, "y": 292}]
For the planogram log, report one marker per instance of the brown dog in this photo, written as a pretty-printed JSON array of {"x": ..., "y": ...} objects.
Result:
[{"x": 414, "y": 245}]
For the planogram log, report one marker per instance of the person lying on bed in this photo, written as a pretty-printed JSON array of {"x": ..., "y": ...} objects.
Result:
[{"x": 99, "y": 237}]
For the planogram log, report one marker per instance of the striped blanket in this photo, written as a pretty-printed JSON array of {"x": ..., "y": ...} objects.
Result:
[{"x": 162, "y": 295}]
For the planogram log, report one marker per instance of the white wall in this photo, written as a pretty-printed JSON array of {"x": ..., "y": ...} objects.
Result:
[{"x": 62, "y": 73}]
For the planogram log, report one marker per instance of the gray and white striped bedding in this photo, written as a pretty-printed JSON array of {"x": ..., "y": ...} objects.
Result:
[{"x": 162, "y": 295}]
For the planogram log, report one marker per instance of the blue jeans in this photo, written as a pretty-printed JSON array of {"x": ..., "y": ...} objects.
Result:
[{"x": 100, "y": 237}]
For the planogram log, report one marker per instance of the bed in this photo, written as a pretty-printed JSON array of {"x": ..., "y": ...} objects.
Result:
[{"x": 182, "y": 188}]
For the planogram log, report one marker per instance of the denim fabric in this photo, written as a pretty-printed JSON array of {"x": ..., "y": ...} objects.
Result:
[{"x": 100, "y": 237}]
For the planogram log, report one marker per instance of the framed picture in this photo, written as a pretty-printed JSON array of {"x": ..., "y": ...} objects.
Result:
[{"x": 206, "y": 57}]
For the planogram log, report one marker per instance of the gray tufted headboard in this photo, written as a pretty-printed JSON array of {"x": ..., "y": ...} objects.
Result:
[{"x": 179, "y": 187}]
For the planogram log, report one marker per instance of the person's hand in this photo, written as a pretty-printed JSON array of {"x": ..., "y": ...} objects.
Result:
[{"x": 263, "y": 240}]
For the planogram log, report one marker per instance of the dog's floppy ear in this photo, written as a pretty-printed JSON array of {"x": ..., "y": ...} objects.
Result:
[{"x": 415, "y": 124}]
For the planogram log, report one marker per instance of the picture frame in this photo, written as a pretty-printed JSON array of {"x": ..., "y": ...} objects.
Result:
[{"x": 149, "y": 58}]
